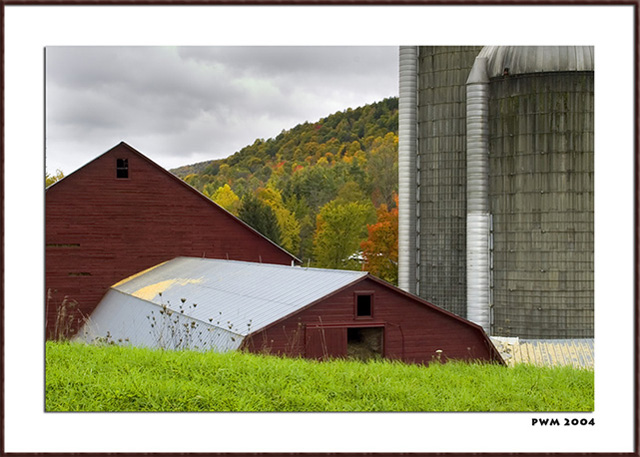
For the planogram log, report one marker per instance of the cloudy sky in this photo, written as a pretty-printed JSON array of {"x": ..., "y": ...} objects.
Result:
[{"x": 182, "y": 105}]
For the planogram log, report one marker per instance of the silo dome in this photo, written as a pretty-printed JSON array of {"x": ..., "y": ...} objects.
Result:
[{"x": 518, "y": 60}]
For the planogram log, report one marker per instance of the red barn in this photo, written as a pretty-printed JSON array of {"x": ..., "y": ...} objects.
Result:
[
  {"x": 221, "y": 305},
  {"x": 122, "y": 213}
]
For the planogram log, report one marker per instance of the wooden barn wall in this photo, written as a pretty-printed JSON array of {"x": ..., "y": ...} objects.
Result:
[
  {"x": 412, "y": 331},
  {"x": 100, "y": 229},
  {"x": 541, "y": 197},
  {"x": 443, "y": 72}
]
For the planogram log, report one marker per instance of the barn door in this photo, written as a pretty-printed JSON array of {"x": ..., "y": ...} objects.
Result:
[
  {"x": 324, "y": 342},
  {"x": 365, "y": 343}
]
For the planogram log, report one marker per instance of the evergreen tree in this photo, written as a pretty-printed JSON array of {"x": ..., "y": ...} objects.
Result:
[
  {"x": 287, "y": 222},
  {"x": 260, "y": 216}
]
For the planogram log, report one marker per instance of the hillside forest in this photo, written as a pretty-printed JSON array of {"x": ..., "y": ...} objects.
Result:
[{"x": 324, "y": 191}]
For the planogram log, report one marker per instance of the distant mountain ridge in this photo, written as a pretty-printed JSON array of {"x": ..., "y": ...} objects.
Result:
[
  {"x": 357, "y": 118},
  {"x": 184, "y": 170}
]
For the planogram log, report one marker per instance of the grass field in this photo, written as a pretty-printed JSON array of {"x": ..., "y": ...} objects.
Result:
[{"x": 111, "y": 378}]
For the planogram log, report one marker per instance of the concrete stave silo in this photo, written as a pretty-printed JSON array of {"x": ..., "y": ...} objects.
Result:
[{"x": 541, "y": 158}]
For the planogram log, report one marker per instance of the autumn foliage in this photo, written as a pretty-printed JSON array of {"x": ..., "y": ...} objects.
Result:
[
  {"x": 324, "y": 190},
  {"x": 380, "y": 250}
]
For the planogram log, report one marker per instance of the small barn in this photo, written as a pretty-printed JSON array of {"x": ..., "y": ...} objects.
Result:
[
  {"x": 122, "y": 213},
  {"x": 221, "y": 305}
]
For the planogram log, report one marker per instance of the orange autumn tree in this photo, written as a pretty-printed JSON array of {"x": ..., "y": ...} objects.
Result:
[{"x": 380, "y": 250}]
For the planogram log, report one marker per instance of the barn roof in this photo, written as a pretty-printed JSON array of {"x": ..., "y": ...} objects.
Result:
[
  {"x": 577, "y": 352},
  {"x": 242, "y": 297}
]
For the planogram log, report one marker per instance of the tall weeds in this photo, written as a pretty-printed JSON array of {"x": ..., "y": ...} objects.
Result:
[
  {"x": 112, "y": 378},
  {"x": 68, "y": 318}
]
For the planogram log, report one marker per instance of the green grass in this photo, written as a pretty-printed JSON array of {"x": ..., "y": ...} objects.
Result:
[{"x": 111, "y": 378}]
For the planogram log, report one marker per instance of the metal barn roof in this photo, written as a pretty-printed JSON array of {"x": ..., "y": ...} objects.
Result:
[
  {"x": 578, "y": 353},
  {"x": 226, "y": 300}
]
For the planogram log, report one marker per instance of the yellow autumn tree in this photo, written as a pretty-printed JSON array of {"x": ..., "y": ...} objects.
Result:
[{"x": 227, "y": 198}]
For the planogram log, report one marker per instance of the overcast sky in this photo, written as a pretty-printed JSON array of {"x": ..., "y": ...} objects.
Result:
[{"x": 185, "y": 105}]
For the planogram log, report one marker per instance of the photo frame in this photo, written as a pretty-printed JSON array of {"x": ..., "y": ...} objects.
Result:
[{"x": 612, "y": 29}]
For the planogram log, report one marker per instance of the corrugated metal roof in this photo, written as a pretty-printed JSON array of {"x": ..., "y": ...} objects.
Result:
[
  {"x": 125, "y": 319},
  {"x": 231, "y": 297},
  {"x": 578, "y": 353}
]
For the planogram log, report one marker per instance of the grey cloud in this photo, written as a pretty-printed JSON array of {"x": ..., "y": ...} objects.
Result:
[{"x": 196, "y": 103}]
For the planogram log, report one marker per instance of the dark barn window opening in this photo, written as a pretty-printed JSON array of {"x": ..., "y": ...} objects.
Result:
[
  {"x": 365, "y": 343},
  {"x": 364, "y": 305},
  {"x": 122, "y": 168}
]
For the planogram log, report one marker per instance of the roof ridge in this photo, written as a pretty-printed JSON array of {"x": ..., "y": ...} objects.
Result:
[{"x": 274, "y": 265}]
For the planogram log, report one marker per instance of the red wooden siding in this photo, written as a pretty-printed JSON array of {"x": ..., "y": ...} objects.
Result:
[
  {"x": 413, "y": 331},
  {"x": 323, "y": 341},
  {"x": 101, "y": 229}
]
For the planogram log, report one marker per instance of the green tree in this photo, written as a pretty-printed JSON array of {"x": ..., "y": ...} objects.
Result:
[
  {"x": 195, "y": 180},
  {"x": 382, "y": 168},
  {"x": 350, "y": 192},
  {"x": 317, "y": 185},
  {"x": 260, "y": 216},
  {"x": 341, "y": 227}
]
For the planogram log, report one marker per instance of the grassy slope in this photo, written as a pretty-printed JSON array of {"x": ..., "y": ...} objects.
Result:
[{"x": 91, "y": 378}]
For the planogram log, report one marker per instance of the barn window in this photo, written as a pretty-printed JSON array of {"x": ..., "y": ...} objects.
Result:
[
  {"x": 122, "y": 168},
  {"x": 364, "y": 304}
]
